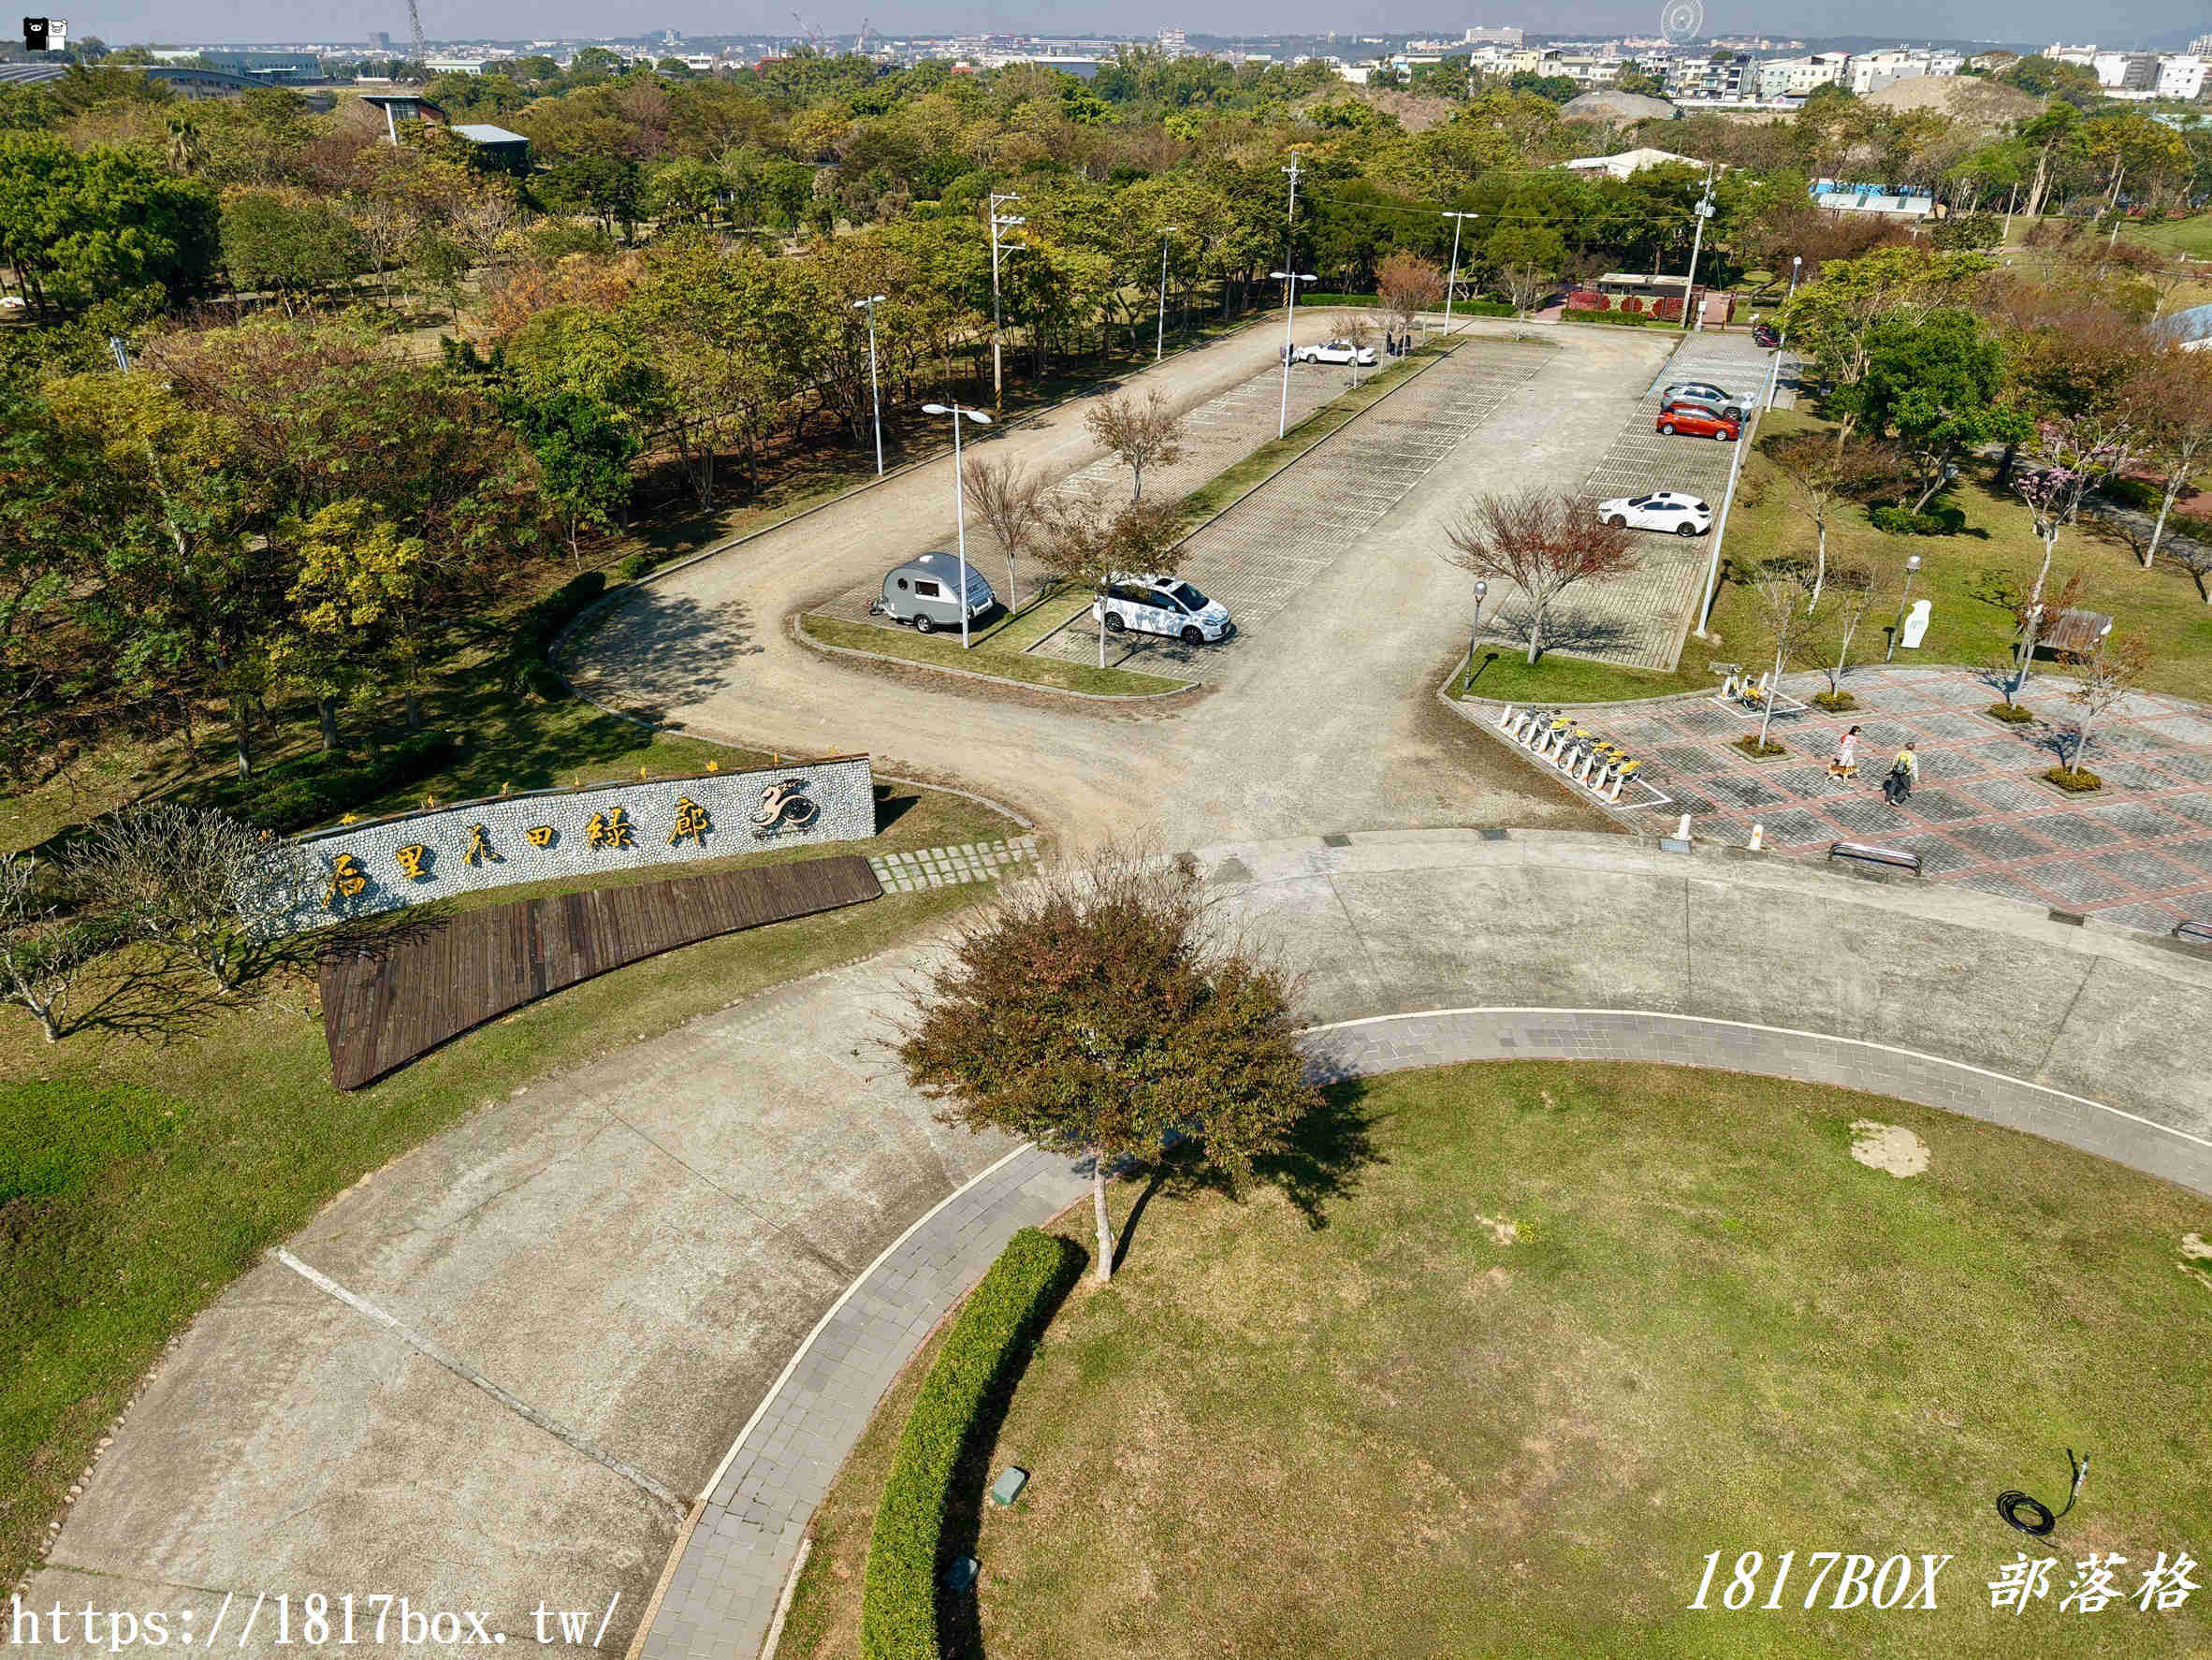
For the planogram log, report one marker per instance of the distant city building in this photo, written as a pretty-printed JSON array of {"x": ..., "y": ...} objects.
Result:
[
  {"x": 1481, "y": 36},
  {"x": 381, "y": 41},
  {"x": 1799, "y": 78},
  {"x": 1871, "y": 71},
  {"x": 1173, "y": 44},
  {"x": 2201, "y": 47},
  {"x": 1628, "y": 162},
  {"x": 2081, "y": 57},
  {"x": 454, "y": 65},
  {"x": 1876, "y": 201},
  {"x": 288, "y": 68},
  {"x": 2182, "y": 77},
  {"x": 2128, "y": 71}
]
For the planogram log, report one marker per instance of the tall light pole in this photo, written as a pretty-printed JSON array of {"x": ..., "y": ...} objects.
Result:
[
  {"x": 1160, "y": 344},
  {"x": 998, "y": 221},
  {"x": 1911, "y": 569},
  {"x": 874, "y": 386},
  {"x": 1475, "y": 633},
  {"x": 960, "y": 496},
  {"x": 1720, "y": 530},
  {"x": 1290, "y": 280},
  {"x": 1451, "y": 276},
  {"x": 1290, "y": 215},
  {"x": 1705, "y": 210},
  {"x": 1782, "y": 338}
]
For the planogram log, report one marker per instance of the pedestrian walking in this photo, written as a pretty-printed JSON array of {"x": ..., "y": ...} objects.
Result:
[
  {"x": 1846, "y": 765},
  {"x": 1904, "y": 772}
]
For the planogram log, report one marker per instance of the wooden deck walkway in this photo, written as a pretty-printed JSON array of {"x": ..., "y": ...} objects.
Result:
[{"x": 423, "y": 983}]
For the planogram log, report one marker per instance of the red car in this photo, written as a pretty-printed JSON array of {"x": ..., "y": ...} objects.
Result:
[{"x": 1697, "y": 421}]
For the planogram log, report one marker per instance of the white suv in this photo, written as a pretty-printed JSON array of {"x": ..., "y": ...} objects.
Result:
[
  {"x": 1337, "y": 351},
  {"x": 1162, "y": 605}
]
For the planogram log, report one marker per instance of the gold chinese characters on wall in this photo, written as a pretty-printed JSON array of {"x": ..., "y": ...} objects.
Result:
[{"x": 609, "y": 830}]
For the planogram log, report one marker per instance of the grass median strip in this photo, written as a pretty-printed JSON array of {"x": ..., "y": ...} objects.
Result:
[{"x": 998, "y": 656}]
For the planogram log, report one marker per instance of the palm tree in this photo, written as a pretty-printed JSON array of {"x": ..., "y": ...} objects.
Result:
[{"x": 188, "y": 150}]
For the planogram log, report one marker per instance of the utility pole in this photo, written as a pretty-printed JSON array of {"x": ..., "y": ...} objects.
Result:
[
  {"x": 1705, "y": 211},
  {"x": 1289, "y": 279},
  {"x": 1451, "y": 277},
  {"x": 1290, "y": 219},
  {"x": 999, "y": 222},
  {"x": 875, "y": 385}
]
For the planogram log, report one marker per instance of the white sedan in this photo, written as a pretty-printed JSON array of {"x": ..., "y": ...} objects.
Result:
[
  {"x": 1662, "y": 510},
  {"x": 1337, "y": 351}
]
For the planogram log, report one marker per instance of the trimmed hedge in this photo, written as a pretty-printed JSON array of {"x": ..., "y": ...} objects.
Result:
[
  {"x": 526, "y": 671},
  {"x": 1903, "y": 521},
  {"x": 898, "y": 1598},
  {"x": 314, "y": 789},
  {"x": 1619, "y": 319}
]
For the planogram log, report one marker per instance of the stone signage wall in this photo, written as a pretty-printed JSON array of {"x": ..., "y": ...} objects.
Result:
[{"x": 358, "y": 869}]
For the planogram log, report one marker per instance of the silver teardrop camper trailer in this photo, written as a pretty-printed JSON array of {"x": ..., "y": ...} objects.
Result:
[{"x": 921, "y": 592}]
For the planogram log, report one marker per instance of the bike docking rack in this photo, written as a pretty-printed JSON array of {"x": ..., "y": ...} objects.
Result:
[
  {"x": 1601, "y": 769},
  {"x": 1740, "y": 694}
]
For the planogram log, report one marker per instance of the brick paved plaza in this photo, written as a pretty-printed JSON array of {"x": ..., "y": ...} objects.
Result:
[
  {"x": 2137, "y": 852},
  {"x": 1257, "y": 556}
]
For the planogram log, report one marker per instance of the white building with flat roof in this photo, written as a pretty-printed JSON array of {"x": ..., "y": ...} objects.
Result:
[
  {"x": 2182, "y": 77},
  {"x": 1480, "y": 36},
  {"x": 1798, "y": 78}
]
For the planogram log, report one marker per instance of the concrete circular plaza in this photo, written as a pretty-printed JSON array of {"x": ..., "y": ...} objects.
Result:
[{"x": 604, "y": 1343}]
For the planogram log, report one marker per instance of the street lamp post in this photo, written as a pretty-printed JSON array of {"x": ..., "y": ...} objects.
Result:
[
  {"x": 1475, "y": 633},
  {"x": 1912, "y": 570},
  {"x": 874, "y": 386},
  {"x": 1291, "y": 280},
  {"x": 1781, "y": 339},
  {"x": 1451, "y": 283},
  {"x": 960, "y": 496},
  {"x": 1160, "y": 344}
]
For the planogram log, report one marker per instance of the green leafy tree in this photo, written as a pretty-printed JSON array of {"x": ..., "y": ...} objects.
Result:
[
  {"x": 102, "y": 224},
  {"x": 1097, "y": 1009},
  {"x": 1932, "y": 385},
  {"x": 293, "y": 248},
  {"x": 608, "y": 187},
  {"x": 584, "y": 450}
]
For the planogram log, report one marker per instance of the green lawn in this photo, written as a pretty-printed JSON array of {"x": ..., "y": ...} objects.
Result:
[
  {"x": 1503, "y": 671},
  {"x": 1965, "y": 576},
  {"x": 242, "y": 1139},
  {"x": 1562, "y": 1332},
  {"x": 2192, "y": 236}
]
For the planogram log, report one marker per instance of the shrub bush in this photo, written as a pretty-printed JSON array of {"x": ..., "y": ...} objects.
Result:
[
  {"x": 2138, "y": 493},
  {"x": 2077, "y": 781},
  {"x": 314, "y": 789},
  {"x": 1748, "y": 743},
  {"x": 899, "y": 1593},
  {"x": 2011, "y": 714},
  {"x": 636, "y": 565},
  {"x": 1903, "y": 521},
  {"x": 1836, "y": 703},
  {"x": 1627, "y": 319},
  {"x": 526, "y": 671}
]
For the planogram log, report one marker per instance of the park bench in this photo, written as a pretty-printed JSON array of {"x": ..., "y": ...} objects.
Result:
[{"x": 1866, "y": 854}]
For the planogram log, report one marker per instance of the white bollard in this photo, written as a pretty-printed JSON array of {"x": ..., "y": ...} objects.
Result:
[
  {"x": 1506, "y": 716},
  {"x": 1681, "y": 831},
  {"x": 1613, "y": 792},
  {"x": 1758, "y": 836}
]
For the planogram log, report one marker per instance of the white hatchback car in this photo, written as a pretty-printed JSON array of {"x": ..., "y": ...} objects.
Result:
[
  {"x": 1662, "y": 510},
  {"x": 1336, "y": 351},
  {"x": 1162, "y": 605}
]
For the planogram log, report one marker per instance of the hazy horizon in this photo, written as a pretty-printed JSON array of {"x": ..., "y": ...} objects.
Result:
[{"x": 2124, "y": 22}]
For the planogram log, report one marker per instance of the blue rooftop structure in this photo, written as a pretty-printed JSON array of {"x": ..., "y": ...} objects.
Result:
[{"x": 2192, "y": 328}]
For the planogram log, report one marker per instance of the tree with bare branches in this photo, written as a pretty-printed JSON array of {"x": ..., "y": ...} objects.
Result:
[
  {"x": 196, "y": 880},
  {"x": 1542, "y": 541},
  {"x": 1083, "y": 545},
  {"x": 1015, "y": 505},
  {"x": 1820, "y": 480},
  {"x": 43, "y": 951},
  {"x": 2033, "y": 620},
  {"x": 1407, "y": 285},
  {"x": 1099, "y": 1008},
  {"x": 2108, "y": 675},
  {"x": 1779, "y": 592},
  {"x": 1356, "y": 328},
  {"x": 1139, "y": 434},
  {"x": 2174, "y": 389},
  {"x": 1851, "y": 587}
]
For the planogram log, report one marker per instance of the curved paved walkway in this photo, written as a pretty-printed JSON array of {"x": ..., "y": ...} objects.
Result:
[
  {"x": 721, "y": 1594},
  {"x": 504, "y": 1370}
]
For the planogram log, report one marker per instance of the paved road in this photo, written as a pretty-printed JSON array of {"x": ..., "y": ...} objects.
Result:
[
  {"x": 629, "y": 1258},
  {"x": 1320, "y": 724}
]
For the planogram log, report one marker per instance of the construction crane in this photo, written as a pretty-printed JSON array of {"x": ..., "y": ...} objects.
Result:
[
  {"x": 811, "y": 31},
  {"x": 422, "y": 56},
  {"x": 860, "y": 41}
]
